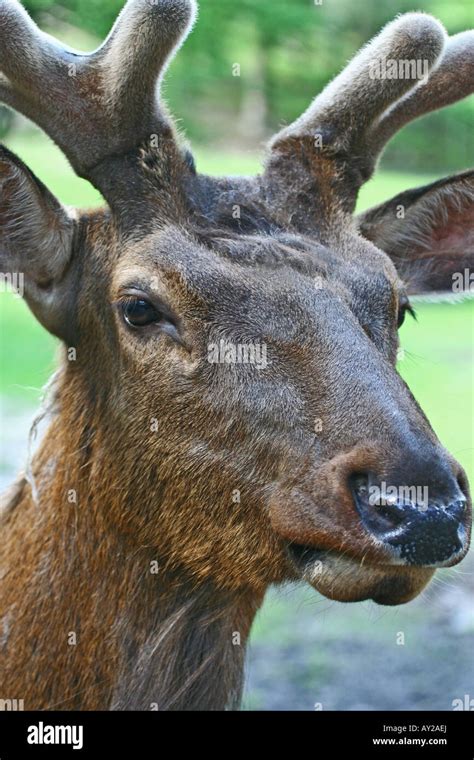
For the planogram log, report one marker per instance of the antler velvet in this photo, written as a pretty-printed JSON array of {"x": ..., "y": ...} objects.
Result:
[
  {"x": 99, "y": 105},
  {"x": 351, "y": 121}
]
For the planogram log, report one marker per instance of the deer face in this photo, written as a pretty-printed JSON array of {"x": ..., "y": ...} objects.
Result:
[{"x": 243, "y": 366}]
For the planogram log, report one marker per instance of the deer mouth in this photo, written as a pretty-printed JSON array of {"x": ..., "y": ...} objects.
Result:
[
  {"x": 305, "y": 556},
  {"x": 346, "y": 579}
]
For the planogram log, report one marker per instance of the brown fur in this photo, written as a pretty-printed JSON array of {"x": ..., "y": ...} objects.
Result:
[{"x": 157, "y": 459}]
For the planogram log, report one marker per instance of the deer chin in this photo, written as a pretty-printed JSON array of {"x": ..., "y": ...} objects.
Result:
[{"x": 344, "y": 579}]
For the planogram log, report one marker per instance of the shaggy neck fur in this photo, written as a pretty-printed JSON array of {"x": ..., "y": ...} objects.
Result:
[{"x": 90, "y": 619}]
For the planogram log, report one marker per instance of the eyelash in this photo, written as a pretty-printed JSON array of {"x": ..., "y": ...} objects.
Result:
[{"x": 405, "y": 308}]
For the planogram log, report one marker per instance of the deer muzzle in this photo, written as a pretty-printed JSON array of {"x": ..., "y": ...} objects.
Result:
[{"x": 354, "y": 534}]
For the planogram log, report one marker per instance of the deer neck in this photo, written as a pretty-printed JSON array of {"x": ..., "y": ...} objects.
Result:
[{"x": 107, "y": 626}]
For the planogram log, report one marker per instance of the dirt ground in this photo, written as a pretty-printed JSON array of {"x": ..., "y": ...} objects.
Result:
[{"x": 308, "y": 653}]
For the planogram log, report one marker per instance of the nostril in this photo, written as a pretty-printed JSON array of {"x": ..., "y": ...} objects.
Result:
[
  {"x": 360, "y": 484},
  {"x": 423, "y": 529},
  {"x": 379, "y": 515},
  {"x": 393, "y": 513}
]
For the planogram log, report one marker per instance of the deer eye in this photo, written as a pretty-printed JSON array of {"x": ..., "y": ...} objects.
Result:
[{"x": 138, "y": 312}]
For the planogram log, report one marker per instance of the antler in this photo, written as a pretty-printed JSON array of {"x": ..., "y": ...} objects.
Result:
[
  {"x": 350, "y": 122},
  {"x": 451, "y": 81},
  {"x": 100, "y": 105}
]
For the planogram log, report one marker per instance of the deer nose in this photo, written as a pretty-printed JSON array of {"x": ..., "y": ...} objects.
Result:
[{"x": 419, "y": 527}]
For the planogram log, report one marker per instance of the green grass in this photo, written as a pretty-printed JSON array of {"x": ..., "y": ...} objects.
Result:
[
  {"x": 27, "y": 351},
  {"x": 50, "y": 165},
  {"x": 438, "y": 364},
  {"x": 47, "y": 161},
  {"x": 439, "y": 368}
]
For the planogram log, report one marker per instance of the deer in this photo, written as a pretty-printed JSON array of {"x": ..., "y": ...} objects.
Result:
[{"x": 171, "y": 489}]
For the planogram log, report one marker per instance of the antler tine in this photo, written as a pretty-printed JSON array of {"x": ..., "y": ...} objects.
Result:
[
  {"x": 99, "y": 104},
  {"x": 136, "y": 52},
  {"x": 450, "y": 81},
  {"x": 355, "y": 98}
]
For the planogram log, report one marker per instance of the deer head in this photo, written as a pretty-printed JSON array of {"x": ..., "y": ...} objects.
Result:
[{"x": 234, "y": 394}]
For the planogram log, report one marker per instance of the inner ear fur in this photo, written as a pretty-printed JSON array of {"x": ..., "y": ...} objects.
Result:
[
  {"x": 428, "y": 232},
  {"x": 36, "y": 240}
]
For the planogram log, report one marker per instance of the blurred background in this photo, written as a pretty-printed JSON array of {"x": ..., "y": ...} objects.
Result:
[{"x": 249, "y": 67}]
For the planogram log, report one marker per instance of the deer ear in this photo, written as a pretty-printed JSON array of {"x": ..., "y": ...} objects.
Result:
[
  {"x": 36, "y": 235},
  {"x": 428, "y": 233}
]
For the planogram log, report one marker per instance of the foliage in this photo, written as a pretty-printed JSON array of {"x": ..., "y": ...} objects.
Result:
[{"x": 252, "y": 65}]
